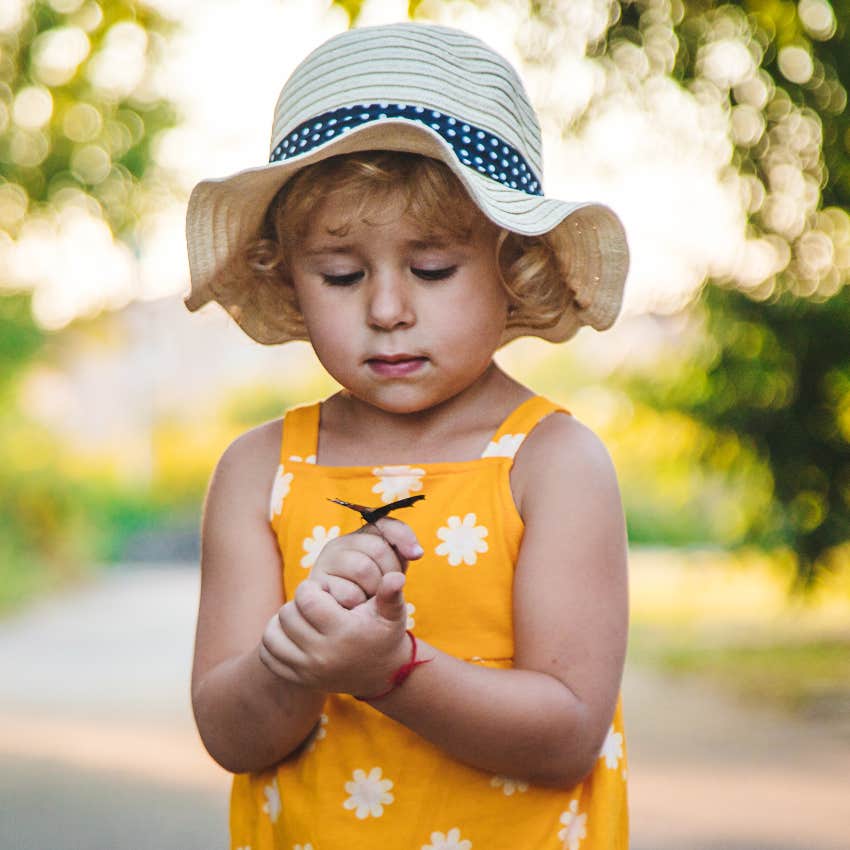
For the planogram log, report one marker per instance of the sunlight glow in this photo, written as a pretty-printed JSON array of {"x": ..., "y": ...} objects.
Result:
[
  {"x": 57, "y": 53},
  {"x": 657, "y": 152},
  {"x": 74, "y": 264},
  {"x": 120, "y": 64}
]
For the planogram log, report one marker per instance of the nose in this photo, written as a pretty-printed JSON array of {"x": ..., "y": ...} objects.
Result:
[{"x": 390, "y": 303}]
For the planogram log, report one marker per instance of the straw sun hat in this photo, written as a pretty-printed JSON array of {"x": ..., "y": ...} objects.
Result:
[{"x": 425, "y": 89}]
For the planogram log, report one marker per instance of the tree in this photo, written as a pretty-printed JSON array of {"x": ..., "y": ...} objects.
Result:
[
  {"x": 775, "y": 357},
  {"x": 78, "y": 118},
  {"x": 77, "y": 113},
  {"x": 773, "y": 363}
]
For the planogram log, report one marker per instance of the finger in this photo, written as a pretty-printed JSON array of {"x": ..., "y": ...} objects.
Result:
[
  {"x": 275, "y": 666},
  {"x": 392, "y": 561},
  {"x": 301, "y": 633},
  {"x": 397, "y": 540},
  {"x": 401, "y": 537},
  {"x": 389, "y": 599},
  {"x": 364, "y": 562},
  {"x": 317, "y": 607},
  {"x": 279, "y": 651},
  {"x": 347, "y": 593}
]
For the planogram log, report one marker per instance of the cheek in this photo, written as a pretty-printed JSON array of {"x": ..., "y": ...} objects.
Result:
[
  {"x": 479, "y": 316},
  {"x": 315, "y": 302},
  {"x": 327, "y": 321}
]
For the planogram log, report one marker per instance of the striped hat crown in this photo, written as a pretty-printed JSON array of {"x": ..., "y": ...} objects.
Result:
[{"x": 445, "y": 79}]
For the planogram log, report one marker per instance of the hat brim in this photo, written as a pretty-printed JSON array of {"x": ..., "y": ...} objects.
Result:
[{"x": 225, "y": 214}]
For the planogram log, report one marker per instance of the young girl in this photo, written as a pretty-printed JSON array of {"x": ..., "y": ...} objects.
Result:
[{"x": 447, "y": 675}]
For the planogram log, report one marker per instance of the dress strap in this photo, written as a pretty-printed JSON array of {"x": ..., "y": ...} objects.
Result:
[
  {"x": 300, "y": 434},
  {"x": 518, "y": 424}
]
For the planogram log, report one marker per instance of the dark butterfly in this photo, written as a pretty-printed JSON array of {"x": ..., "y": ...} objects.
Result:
[{"x": 374, "y": 514}]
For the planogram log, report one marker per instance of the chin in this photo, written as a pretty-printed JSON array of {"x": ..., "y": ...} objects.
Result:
[
  {"x": 401, "y": 407},
  {"x": 402, "y": 401}
]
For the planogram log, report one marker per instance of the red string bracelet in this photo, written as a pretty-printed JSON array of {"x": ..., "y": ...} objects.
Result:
[{"x": 402, "y": 673}]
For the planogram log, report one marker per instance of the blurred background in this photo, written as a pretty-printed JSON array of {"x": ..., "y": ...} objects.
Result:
[{"x": 718, "y": 131}]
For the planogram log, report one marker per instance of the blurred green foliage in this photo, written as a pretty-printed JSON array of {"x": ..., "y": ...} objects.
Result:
[
  {"x": 774, "y": 365},
  {"x": 77, "y": 117},
  {"x": 20, "y": 340},
  {"x": 763, "y": 401},
  {"x": 778, "y": 375},
  {"x": 77, "y": 122},
  {"x": 807, "y": 677}
]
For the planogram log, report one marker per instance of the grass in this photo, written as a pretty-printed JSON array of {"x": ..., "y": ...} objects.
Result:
[
  {"x": 24, "y": 578},
  {"x": 809, "y": 678},
  {"x": 731, "y": 619}
]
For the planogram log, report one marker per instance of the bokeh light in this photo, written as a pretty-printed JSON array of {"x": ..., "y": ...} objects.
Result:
[
  {"x": 32, "y": 108},
  {"x": 818, "y": 18},
  {"x": 120, "y": 64},
  {"x": 796, "y": 63},
  {"x": 617, "y": 127},
  {"x": 82, "y": 122},
  {"x": 57, "y": 53}
]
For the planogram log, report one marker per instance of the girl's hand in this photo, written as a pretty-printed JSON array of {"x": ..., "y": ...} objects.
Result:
[
  {"x": 351, "y": 567},
  {"x": 318, "y": 644}
]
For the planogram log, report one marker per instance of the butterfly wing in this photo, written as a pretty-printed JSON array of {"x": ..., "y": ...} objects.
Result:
[
  {"x": 374, "y": 514},
  {"x": 363, "y": 510},
  {"x": 402, "y": 503}
]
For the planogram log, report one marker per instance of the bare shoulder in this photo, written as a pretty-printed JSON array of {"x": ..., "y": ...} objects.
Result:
[
  {"x": 255, "y": 452},
  {"x": 251, "y": 460},
  {"x": 563, "y": 456}
]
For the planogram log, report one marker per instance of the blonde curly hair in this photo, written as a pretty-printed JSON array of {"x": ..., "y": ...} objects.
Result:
[{"x": 530, "y": 271}]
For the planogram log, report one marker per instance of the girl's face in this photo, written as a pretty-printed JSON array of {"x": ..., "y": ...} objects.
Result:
[{"x": 402, "y": 318}]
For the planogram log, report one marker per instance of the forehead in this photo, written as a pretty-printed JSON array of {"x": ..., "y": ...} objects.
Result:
[
  {"x": 346, "y": 215},
  {"x": 389, "y": 212}
]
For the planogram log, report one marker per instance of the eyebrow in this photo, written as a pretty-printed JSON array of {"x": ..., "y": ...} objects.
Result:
[
  {"x": 329, "y": 249},
  {"x": 416, "y": 244}
]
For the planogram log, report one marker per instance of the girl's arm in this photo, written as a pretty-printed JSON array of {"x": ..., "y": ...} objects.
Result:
[
  {"x": 247, "y": 717},
  {"x": 546, "y": 719}
]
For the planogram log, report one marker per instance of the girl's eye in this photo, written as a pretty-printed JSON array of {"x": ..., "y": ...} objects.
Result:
[
  {"x": 342, "y": 279},
  {"x": 435, "y": 274}
]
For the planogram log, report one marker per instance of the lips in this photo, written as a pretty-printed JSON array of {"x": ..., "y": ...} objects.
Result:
[{"x": 396, "y": 365}]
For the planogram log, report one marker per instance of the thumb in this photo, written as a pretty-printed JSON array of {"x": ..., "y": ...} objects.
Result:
[{"x": 389, "y": 599}]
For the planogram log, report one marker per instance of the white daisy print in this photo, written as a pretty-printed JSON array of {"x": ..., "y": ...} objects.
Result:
[
  {"x": 411, "y": 610},
  {"x": 450, "y": 841},
  {"x": 244, "y": 847},
  {"x": 462, "y": 540},
  {"x": 303, "y": 847},
  {"x": 272, "y": 805},
  {"x": 280, "y": 489},
  {"x": 397, "y": 482},
  {"x": 506, "y": 446},
  {"x": 612, "y": 749},
  {"x": 575, "y": 827},
  {"x": 509, "y": 786},
  {"x": 313, "y": 545},
  {"x": 369, "y": 794},
  {"x": 319, "y": 732},
  {"x": 299, "y": 459}
]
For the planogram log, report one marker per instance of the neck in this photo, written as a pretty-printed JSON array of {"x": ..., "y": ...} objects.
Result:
[{"x": 451, "y": 430}]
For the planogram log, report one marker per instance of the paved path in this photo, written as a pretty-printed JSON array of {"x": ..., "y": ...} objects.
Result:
[{"x": 98, "y": 750}]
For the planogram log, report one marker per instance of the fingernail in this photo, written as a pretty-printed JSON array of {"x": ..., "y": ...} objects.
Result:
[{"x": 417, "y": 551}]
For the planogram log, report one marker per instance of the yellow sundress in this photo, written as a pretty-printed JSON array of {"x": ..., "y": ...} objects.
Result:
[{"x": 363, "y": 781}]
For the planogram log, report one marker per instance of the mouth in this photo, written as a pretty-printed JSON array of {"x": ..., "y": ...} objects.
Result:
[{"x": 396, "y": 365}]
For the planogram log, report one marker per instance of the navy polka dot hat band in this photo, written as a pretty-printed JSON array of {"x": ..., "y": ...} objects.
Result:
[
  {"x": 473, "y": 146},
  {"x": 422, "y": 89}
]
